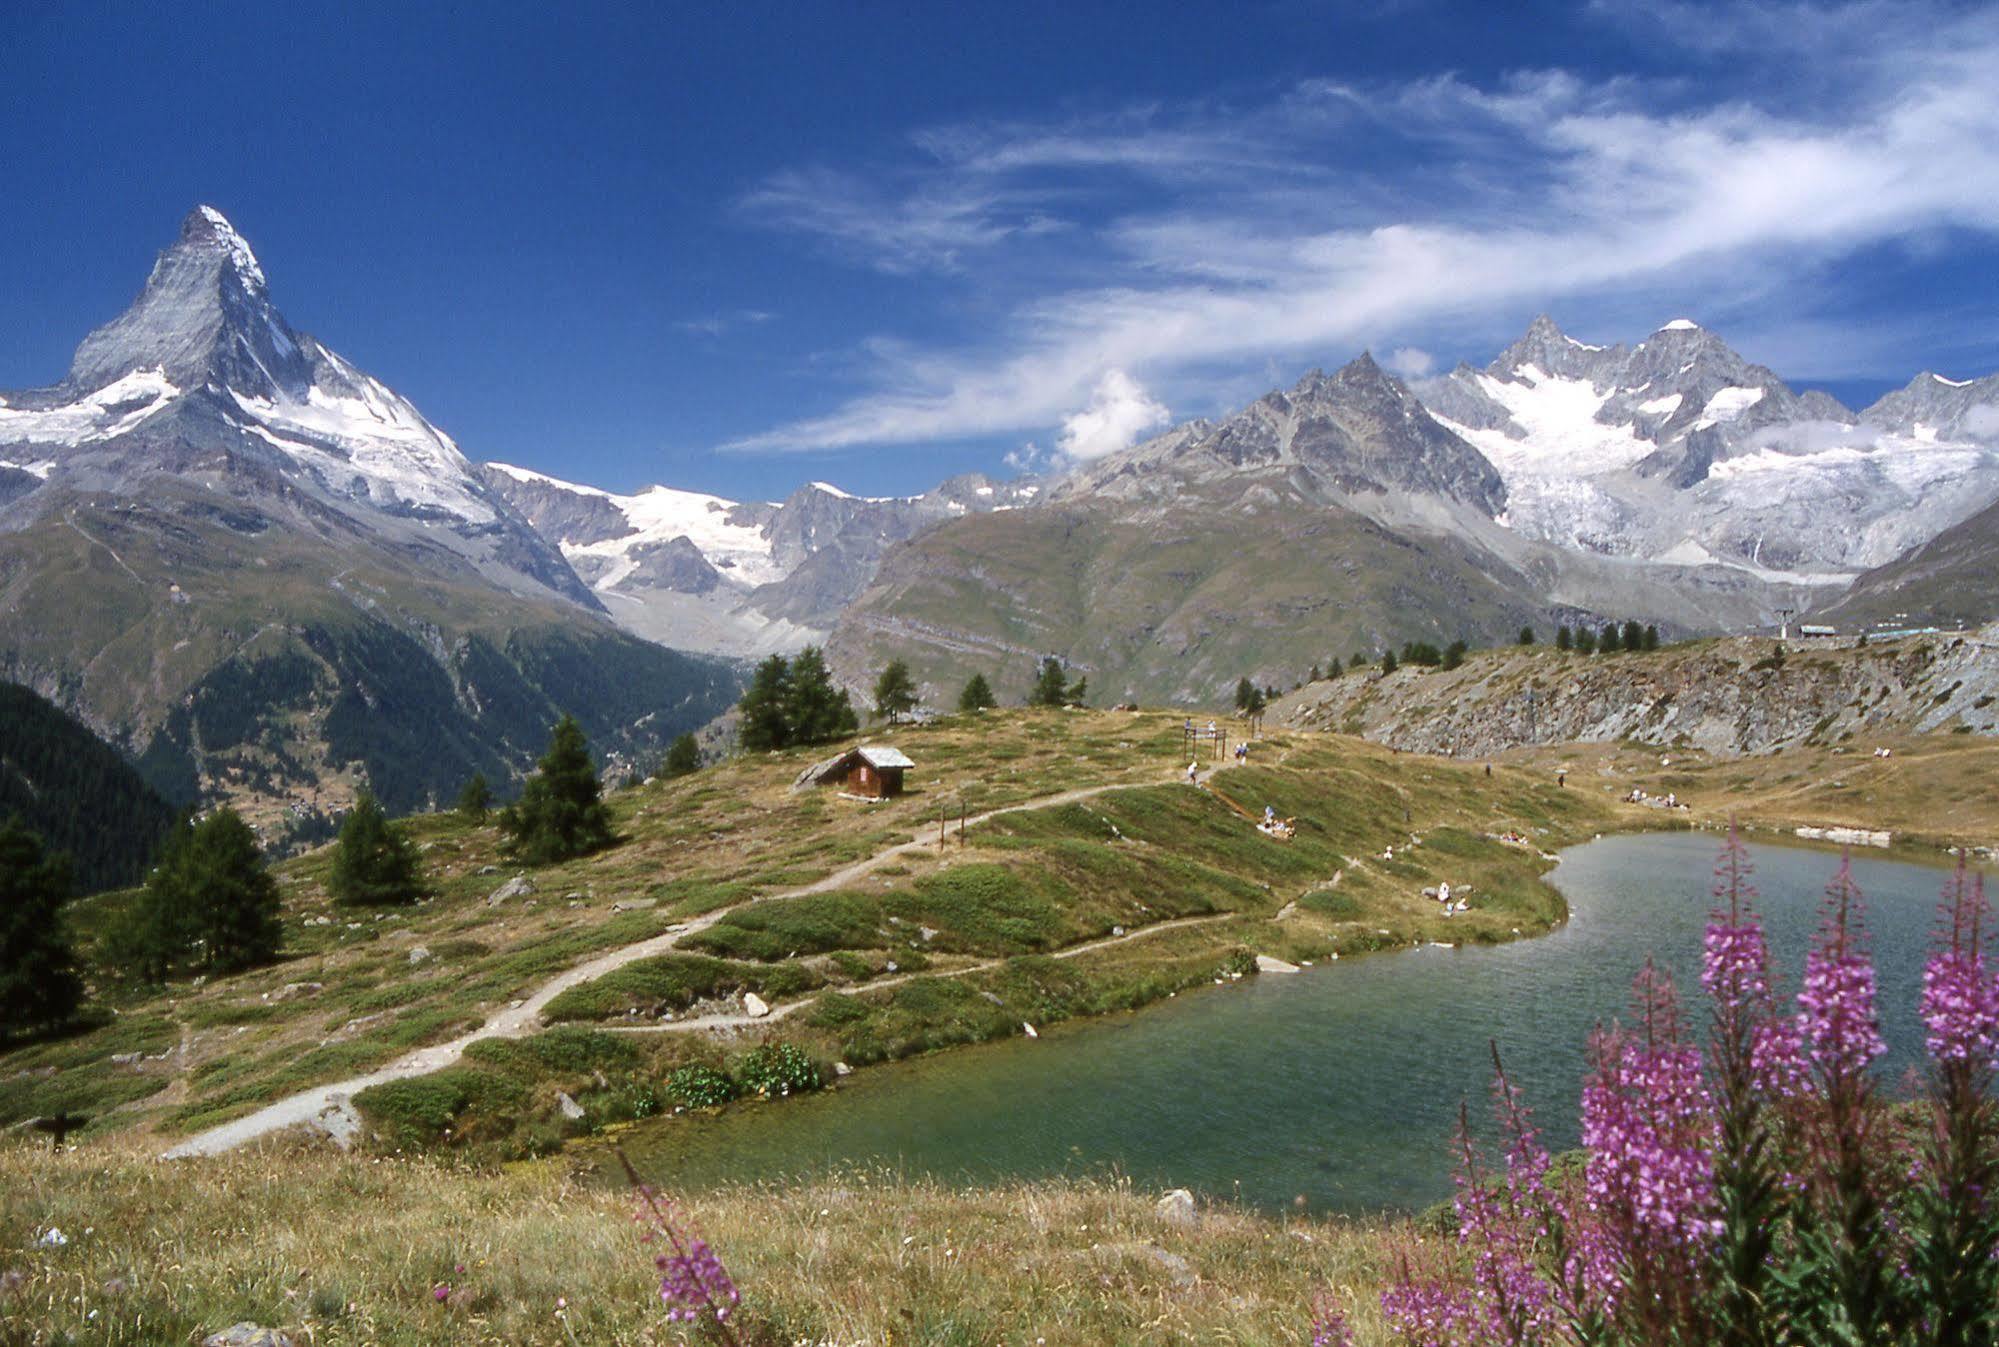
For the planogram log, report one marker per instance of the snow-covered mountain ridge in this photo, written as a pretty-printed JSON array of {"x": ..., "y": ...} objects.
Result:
[
  {"x": 1678, "y": 450},
  {"x": 703, "y": 572}
]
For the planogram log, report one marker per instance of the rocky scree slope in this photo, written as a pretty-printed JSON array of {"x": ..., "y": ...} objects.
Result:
[{"x": 1726, "y": 696}]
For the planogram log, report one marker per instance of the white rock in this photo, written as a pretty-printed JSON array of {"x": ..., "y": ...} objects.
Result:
[
  {"x": 1177, "y": 1208},
  {"x": 1028, "y": 1029},
  {"x": 1267, "y": 964},
  {"x": 755, "y": 1006},
  {"x": 570, "y": 1108},
  {"x": 419, "y": 954}
]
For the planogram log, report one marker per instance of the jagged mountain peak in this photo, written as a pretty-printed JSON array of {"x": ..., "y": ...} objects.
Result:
[
  {"x": 208, "y": 228},
  {"x": 204, "y": 317}
]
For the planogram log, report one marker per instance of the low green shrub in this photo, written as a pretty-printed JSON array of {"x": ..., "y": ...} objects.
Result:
[
  {"x": 698, "y": 1085},
  {"x": 775, "y": 1070}
]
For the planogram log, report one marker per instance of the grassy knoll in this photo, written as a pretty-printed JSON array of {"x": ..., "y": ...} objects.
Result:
[
  {"x": 1025, "y": 918},
  {"x": 337, "y": 1250}
]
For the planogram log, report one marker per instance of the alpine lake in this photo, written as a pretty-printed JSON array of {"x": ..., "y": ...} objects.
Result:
[{"x": 1340, "y": 1084}]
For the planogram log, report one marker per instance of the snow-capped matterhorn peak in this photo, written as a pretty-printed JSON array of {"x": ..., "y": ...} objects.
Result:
[{"x": 207, "y": 224}]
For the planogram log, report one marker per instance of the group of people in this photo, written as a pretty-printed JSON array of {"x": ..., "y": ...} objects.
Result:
[{"x": 1668, "y": 801}]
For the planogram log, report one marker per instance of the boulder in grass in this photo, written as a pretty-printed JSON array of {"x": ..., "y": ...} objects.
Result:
[
  {"x": 247, "y": 1334},
  {"x": 520, "y": 886},
  {"x": 1177, "y": 1208},
  {"x": 755, "y": 1006}
]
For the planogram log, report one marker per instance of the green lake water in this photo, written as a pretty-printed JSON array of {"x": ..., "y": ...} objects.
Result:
[{"x": 1340, "y": 1083}]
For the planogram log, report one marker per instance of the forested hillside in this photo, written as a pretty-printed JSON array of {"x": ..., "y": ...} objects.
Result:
[{"x": 72, "y": 788}]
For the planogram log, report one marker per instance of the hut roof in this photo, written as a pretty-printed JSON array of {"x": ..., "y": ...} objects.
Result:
[{"x": 875, "y": 755}]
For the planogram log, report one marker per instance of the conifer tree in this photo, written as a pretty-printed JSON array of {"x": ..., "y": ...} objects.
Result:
[
  {"x": 815, "y": 710},
  {"x": 1585, "y": 642},
  {"x": 1051, "y": 685},
  {"x": 1634, "y": 636},
  {"x": 1563, "y": 640},
  {"x": 1526, "y": 636},
  {"x": 561, "y": 812},
  {"x": 1249, "y": 699},
  {"x": 1388, "y": 662},
  {"x": 476, "y": 799},
  {"x": 895, "y": 692},
  {"x": 1651, "y": 637},
  {"x": 210, "y": 902},
  {"x": 977, "y": 695},
  {"x": 374, "y": 863},
  {"x": 683, "y": 757},
  {"x": 766, "y": 723},
  {"x": 39, "y": 987}
]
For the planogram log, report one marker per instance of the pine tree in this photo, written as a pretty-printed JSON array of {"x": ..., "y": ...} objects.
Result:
[
  {"x": 210, "y": 902},
  {"x": 766, "y": 723},
  {"x": 1388, "y": 662},
  {"x": 977, "y": 695},
  {"x": 1526, "y": 636},
  {"x": 476, "y": 799},
  {"x": 39, "y": 987},
  {"x": 895, "y": 691},
  {"x": 683, "y": 757},
  {"x": 815, "y": 709},
  {"x": 1651, "y": 637},
  {"x": 1585, "y": 641},
  {"x": 561, "y": 813},
  {"x": 1247, "y": 699},
  {"x": 1634, "y": 636},
  {"x": 1454, "y": 654},
  {"x": 1051, "y": 685},
  {"x": 1563, "y": 640},
  {"x": 1314, "y": 676},
  {"x": 374, "y": 863}
]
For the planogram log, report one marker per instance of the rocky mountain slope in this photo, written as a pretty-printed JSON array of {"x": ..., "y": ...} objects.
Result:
[
  {"x": 1677, "y": 449},
  {"x": 1334, "y": 517},
  {"x": 1670, "y": 481},
  {"x": 266, "y": 575},
  {"x": 703, "y": 573},
  {"x": 1726, "y": 696}
]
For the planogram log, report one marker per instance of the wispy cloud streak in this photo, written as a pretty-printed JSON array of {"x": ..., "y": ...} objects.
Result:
[{"x": 1335, "y": 215}]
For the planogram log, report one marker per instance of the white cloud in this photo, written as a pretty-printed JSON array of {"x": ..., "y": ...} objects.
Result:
[
  {"x": 1411, "y": 362},
  {"x": 1472, "y": 208},
  {"x": 1119, "y": 412}
]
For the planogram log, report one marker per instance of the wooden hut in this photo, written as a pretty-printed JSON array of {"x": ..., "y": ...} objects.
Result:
[{"x": 871, "y": 772}]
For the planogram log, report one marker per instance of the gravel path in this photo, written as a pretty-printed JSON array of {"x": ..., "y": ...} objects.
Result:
[{"x": 328, "y": 1107}]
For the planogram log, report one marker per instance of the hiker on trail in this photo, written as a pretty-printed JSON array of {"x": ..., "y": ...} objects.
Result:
[
  {"x": 1194, "y": 773},
  {"x": 1562, "y": 776}
]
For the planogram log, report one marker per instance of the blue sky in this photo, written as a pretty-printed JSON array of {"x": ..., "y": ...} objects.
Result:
[{"x": 737, "y": 247}]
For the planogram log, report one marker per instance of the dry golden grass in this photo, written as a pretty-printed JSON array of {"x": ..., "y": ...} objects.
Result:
[{"x": 335, "y": 1249}]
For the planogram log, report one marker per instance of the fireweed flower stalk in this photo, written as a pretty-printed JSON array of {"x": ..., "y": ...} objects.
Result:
[
  {"x": 694, "y": 1286},
  {"x": 1648, "y": 1128},
  {"x": 1752, "y": 1056},
  {"x": 1848, "y": 1284},
  {"x": 1955, "y": 1211}
]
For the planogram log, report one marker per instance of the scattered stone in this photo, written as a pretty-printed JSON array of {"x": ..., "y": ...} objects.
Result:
[
  {"x": 319, "y": 921},
  {"x": 1117, "y": 930},
  {"x": 1430, "y": 891},
  {"x": 488, "y": 870},
  {"x": 247, "y": 1334},
  {"x": 1268, "y": 964},
  {"x": 1176, "y": 1268},
  {"x": 634, "y": 904},
  {"x": 1028, "y": 1029},
  {"x": 127, "y": 1058},
  {"x": 1287, "y": 911},
  {"x": 842, "y": 1069},
  {"x": 928, "y": 933},
  {"x": 573, "y": 897},
  {"x": 570, "y": 1108},
  {"x": 1177, "y": 1208},
  {"x": 340, "y": 1120},
  {"x": 520, "y": 886},
  {"x": 993, "y": 997},
  {"x": 755, "y": 1006},
  {"x": 419, "y": 954}
]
